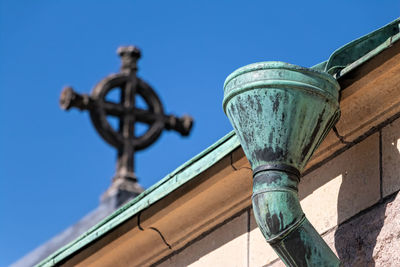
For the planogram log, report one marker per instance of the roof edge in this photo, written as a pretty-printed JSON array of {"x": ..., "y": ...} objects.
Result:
[
  {"x": 360, "y": 47},
  {"x": 171, "y": 182}
]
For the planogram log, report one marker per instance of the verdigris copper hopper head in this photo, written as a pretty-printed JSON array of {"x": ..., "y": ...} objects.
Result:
[{"x": 281, "y": 113}]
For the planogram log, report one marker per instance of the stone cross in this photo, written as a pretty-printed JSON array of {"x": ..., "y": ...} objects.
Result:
[{"x": 126, "y": 110}]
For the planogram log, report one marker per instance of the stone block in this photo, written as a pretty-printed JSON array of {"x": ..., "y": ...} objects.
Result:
[
  {"x": 372, "y": 238},
  {"x": 330, "y": 195},
  {"x": 277, "y": 263},
  {"x": 343, "y": 186},
  {"x": 260, "y": 252},
  {"x": 391, "y": 158},
  {"x": 225, "y": 246}
]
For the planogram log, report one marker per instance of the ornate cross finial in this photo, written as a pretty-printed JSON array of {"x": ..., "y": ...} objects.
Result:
[{"x": 126, "y": 110}]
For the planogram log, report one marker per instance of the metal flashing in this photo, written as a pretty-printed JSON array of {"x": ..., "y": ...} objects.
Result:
[
  {"x": 385, "y": 45},
  {"x": 360, "y": 47}
]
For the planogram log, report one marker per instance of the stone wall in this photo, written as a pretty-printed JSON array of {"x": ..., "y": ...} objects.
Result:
[{"x": 352, "y": 200}]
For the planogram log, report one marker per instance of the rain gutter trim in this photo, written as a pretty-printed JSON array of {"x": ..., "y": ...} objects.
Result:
[{"x": 171, "y": 182}]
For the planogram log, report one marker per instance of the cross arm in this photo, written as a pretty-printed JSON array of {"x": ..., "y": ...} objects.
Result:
[
  {"x": 182, "y": 125},
  {"x": 69, "y": 98}
]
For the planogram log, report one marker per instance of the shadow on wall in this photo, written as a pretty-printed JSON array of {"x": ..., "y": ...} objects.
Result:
[
  {"x": 352, "y": 180},
  {"x": 356, "y": 239}
]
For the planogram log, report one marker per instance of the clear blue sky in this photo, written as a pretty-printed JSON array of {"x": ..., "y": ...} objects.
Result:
[{"x": 54, "y": 166}]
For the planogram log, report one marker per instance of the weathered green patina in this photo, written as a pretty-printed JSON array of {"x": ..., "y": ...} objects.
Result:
[
  {"x": 281, "y": 113},
  {"x": 361, "y": 49},
  {"x": 191, "y": 169},
  {"x": 180, "y": 176}
]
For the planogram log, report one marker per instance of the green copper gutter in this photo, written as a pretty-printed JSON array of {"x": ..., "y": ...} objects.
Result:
[
  {"x": 281, "y": 113},
  {"x": 360, "y": 50},
  {"x": 191, "y": 169},
  {"x": 171, "y": 182}
]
